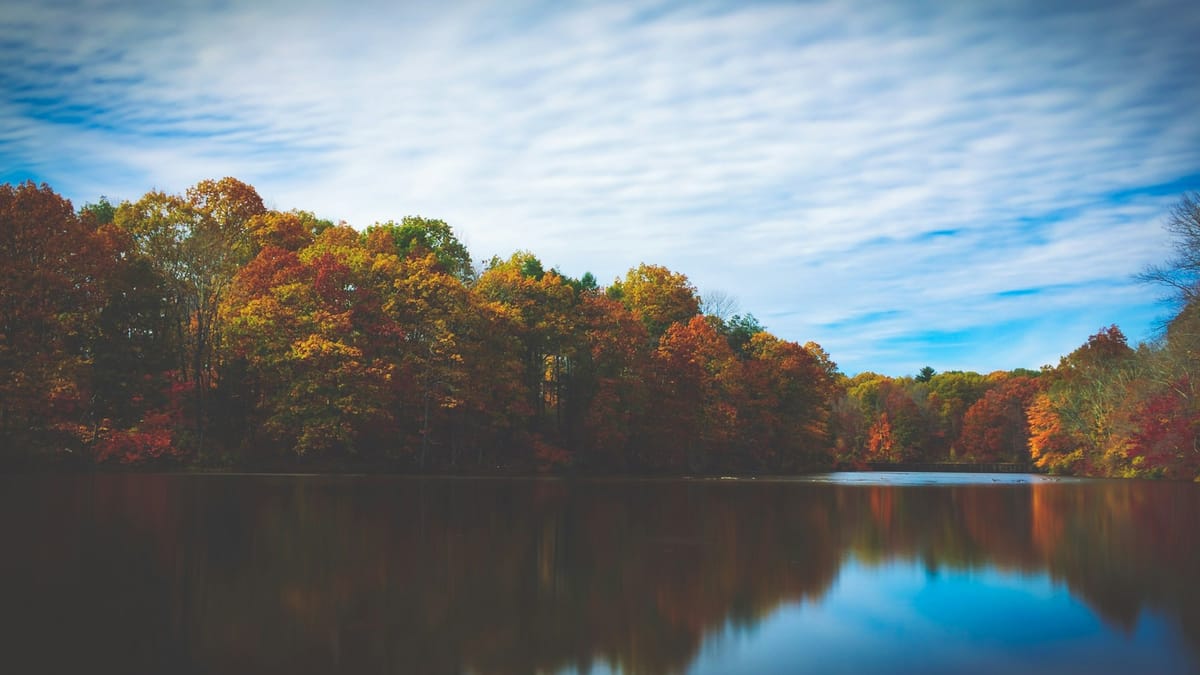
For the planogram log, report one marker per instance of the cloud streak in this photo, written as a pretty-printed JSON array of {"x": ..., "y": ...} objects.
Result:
[{"x": 822, "y": 161}]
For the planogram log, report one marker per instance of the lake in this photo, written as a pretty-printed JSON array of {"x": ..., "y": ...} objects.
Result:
[{"x": 866, "y": 572}]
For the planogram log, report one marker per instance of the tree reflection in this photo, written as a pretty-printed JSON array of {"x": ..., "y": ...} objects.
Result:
[{"x": 256, "y": 574}]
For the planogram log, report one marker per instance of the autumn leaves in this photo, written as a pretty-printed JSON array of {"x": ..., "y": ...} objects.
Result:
[
  {"x": 204, "y": 327},
  {"x": 213, "y": 329}
]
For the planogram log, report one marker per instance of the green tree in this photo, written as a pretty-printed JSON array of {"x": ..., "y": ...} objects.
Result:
[
  {"x": 100, "y": 213},
  {"x": 419, "y": 236},
  {"x": 739, "y": 330},
  {"x": 951, "y": 394}
]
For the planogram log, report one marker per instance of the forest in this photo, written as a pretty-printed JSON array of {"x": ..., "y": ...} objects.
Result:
[{"x": 206, "y": 330}]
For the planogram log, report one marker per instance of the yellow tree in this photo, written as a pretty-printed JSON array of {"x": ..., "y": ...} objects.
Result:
[
  {"x": 312, "y": 332},
  {"x": 1053, "y": 445},
  {"x": 432, "y": 308},
  {"x": 1072, "y": 422},
  {"x": 542, "y": 309},
  {"x": 198, "y": 242},
  {"x": 658, "y": 296}
]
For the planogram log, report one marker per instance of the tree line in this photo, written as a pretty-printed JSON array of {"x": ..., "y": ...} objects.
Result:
[
  {"x": 1106, "y": 409},
  {"x": 204, "y": 328}
]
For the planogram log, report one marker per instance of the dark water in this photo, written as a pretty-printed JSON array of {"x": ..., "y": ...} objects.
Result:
[{"x": 847, "y": 573}]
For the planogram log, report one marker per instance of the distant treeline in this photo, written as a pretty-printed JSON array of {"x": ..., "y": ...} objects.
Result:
[{"x": 206, "y": 329}]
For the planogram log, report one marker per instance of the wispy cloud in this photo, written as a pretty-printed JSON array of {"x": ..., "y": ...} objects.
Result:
[{"x": 874, "y": 176}]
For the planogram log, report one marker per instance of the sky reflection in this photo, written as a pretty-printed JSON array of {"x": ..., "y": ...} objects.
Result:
[{"x": 902, "y": 617}]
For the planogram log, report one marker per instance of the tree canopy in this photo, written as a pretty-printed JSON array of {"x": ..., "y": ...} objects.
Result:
[{"x": 204, "y": 327}]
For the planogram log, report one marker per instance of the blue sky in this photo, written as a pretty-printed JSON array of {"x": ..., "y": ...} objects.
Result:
[{"x": 961, "y": 185}]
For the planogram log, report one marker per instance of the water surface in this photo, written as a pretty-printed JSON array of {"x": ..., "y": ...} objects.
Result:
[{"x": 837, "y": 573}]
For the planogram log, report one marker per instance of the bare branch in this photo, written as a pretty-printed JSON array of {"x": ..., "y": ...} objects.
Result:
[
  {"x": 1180, "y": 274},
  {"x": 719, "y": 304}
]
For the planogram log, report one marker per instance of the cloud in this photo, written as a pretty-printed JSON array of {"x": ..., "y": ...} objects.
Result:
[{"x": 822, "y": 162}]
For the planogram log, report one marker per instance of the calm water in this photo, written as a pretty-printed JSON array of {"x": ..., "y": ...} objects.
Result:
[{"x": 840, "y": 573}]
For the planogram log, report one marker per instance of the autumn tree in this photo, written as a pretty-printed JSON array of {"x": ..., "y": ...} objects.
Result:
[
  {"x": 491, "y": 408},
  {"x": 694, "y": 415},
  {"x": 827, "y": 366},
  {"x": 995, "y": 428},
  {"x": 1155, "y": 423},
  {"x": 288, "y": 230},
  {"x": 951, "y": 395},
  {"x": 49, "y": 301},
  {"x": 1054, "y": 445},
  {"x": 137, "y": 400},
  {"x": 853, "y": 413},
  {"x": 848, "y": 425},
  {"x": 541, "y": 307},
  {"x": 889, "y": 406},
  {"x": 881, "y": 441},
  {"x": 658, "y": 296},
  {"x": 432, "y": 308},
  {"x": 1163, "y": 416},
  {"x": 312, "y": 330},
  {"x": 611, "y": 383},
  {"x": 423, "y": 236},
  {"x": 198, "y": 242},
  {"x": 786, "y": 397},
  {"x": 1071, "y": 422}
]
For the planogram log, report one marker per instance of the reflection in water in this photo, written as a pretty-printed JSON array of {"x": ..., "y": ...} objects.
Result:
[{"x": 326, "y": 574}]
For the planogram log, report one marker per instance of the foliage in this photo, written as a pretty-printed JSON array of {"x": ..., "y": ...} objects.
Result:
[
  {"x": 153, "y": 437},
  {"x": 196, "y": 242},
  {"x": 739, "y": 330},
  {"x": 995, "y": 428},
  {"x": 50, "y": 298},
  {"x": 204, "y": 326},
  {"x": 310, "y": 326},
  {"x": 419, "y": 237},
  {"x": 658, "y": 296}
]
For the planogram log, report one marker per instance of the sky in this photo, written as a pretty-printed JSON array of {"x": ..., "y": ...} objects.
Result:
[{"x": 963, "y": 185}]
